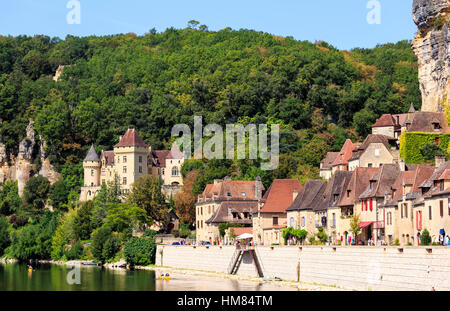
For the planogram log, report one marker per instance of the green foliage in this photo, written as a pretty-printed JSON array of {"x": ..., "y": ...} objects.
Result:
[
  {"x": 299, "y": 234},
  {"x": 105, "y": 244},
  {"x": 190, "y": 165},
  {"x": 149, "y": 233},
  {"x": 63, "y": 235},
  {"x": 146, "y": 194},
  {"x": 35, "y": 193},
  {"x": 58, "y": 195},
  {"x": 355, "y": 222},
  {"x": 425, "y": 238},
  {"x": 184, "y": 231},
  {"x": 321, "y": 235},
  {"x": 124, "y": 217},
  {"x": 5, "y": 240},
  {"x": 140, "y": 251},
  {"x": 75, "y": 251},
  {"x": 429, "y": 151},
  {"x": 82, "y": 224},
  {"x": 10, "y": 201},
  {"x": 412, "y": 146},
  {"x": 224, "y": 226},
  {"x": 34, "y": 241}
]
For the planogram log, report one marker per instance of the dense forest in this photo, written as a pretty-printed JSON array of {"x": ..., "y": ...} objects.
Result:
[{"x": 318, "y": 94}]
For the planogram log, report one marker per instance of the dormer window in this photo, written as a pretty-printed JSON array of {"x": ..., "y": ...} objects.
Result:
[
  {"x": 229, "y": 194},
  {"x": 436, "y": 125},
  {"x": 336, "y": 196},
  {"x": 348, "y": 193},
  {"x": 243, "y": 194}
]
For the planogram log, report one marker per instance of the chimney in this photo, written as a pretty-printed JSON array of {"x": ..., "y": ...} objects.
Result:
[
  {"x": 258, "y": 188},
  {"x": 439, "y": 160},
  {"x": 217, "y": 181},
  {"x": 294, "y": 195},
  {"x": 402, "y": 165}
]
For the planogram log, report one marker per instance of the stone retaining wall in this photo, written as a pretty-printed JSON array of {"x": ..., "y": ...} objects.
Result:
[{"x": 361, "y": 268}]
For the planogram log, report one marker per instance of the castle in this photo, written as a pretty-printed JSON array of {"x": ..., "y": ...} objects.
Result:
[{"x": 131, "y": 159}]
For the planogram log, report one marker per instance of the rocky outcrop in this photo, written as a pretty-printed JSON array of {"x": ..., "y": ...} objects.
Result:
[
  {"x": 432, "y": 48},
  {"x": 22, "y": 167}
]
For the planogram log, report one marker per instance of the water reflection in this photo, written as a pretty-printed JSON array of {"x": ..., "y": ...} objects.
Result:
[{"x": 47, "y": 277}]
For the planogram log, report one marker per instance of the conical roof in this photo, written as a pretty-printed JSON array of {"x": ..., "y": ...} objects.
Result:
[
  {"x": 92, "y": 155},
  {"x": 411, "y": 109}
]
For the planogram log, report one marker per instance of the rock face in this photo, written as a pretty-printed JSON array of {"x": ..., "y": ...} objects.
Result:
[
  {"x": 432, "y": 48},
  {"x": 21, "y": 167}
]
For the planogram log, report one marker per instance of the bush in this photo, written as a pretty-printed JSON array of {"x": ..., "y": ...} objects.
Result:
[
  {"x": 397, "y": 242},
  {"x": 140, "y": 251},
  {"x": 75, "y": 252},
  {"x": 425, "y": 238},
  {"x": 150, "y": 233},
  {"x": 176, "y": 233},
  {"x": 105, "y": 244},
  {"x": 4, "y": 235}
]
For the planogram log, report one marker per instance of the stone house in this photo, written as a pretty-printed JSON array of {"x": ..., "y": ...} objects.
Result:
[
  {"x": 226, "y": 201},
  {"x": 326, "y": 165},
  {"x": 269, "y": 218},
  {"x": 390, "y": 125},
  {"x": 375, "y": 151},
  {"x": 301, "y": 214},
  {"x": 345, "y": 209}
]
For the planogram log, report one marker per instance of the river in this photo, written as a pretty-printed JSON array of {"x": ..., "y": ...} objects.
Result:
[{"x": 48, "y": 277}]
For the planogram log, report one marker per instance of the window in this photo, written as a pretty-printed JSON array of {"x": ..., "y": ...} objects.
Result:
[
  {"x": 118, "y": 159},
  {"x": 92, "y": 172},
  {"x": 370, "y": 165},
  {"x": 429, "y": 213},
  {"x": 348, "y": 193},
  {"x": 291, "y": 222},
  {"x": 124, "y": 159},
  {"x": 175, "y": 171},
  {"x": 406, "y": 210},
  {"x": 124, "y": 169},
  {"x": 377, "y": 152},
  {"x": 441, "y": 208},
  {"x": 229, "y": 194},
  {"x": 243, "y": 194},
  {"x": 140, "y": 159},
  {"x": 275, "y": 221},
  {"x": 140, "y": 169},
  {"x": 303, "y": 221},
  {"x": 124, "y": 180}
]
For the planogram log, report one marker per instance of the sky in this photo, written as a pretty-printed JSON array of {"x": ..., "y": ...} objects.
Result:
[{"x": 344, "y": 24}]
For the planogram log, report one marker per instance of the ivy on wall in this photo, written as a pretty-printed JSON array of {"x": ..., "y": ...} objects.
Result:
[{"x": 412, "y": 143}]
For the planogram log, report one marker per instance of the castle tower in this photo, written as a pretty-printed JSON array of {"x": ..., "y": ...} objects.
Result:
[
  {"x": 131, "y": 159},
  {"x": 91, "y": 165}
]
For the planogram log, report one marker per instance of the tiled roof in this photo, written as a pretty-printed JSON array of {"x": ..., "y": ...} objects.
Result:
[
  {"x": 345, "y": 154},
  {"x": 333, "y": 191},
  {"x": 423, "y": 122},
  {"x": 311, "y": 191},
  {"x": 327, "y": 162},
  {"x": 357, "y": 184},
  {"x": 231, "y": 190},
  {"x": 383, "y": 180},
  {"x": 131, "y": 139},
  {"x": 223, "y": 213},
  {"x": 159, "y": 157},
  {"x": 429, "y": 182},
  {"x": 92, "y": 155},
  {"x": 445, "y": 175},
  {"x": 280, "y": 195},
  {"x": 384, "y": 120},
  {"x": 238, "y": 231},
  {"x": 108, "y": 156},
  {"x": 371, "y": 139}
]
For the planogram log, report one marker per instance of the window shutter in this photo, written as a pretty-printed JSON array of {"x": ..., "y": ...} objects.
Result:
[{"x": 371, "y": 204}]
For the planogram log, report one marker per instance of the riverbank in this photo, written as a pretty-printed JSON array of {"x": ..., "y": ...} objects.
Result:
[{"x": 192, "y": 273}]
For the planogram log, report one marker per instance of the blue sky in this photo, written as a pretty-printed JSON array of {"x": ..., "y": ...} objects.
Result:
[{"x": 341, "y": 23}]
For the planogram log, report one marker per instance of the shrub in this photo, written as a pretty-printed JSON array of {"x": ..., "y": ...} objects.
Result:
[
  {"x": 140, "y": 251},
  {"x": 425, "y": 238},
  {"x": 397, "y": 242},
  {"x": 105, "y": 244},
  {"x": 4, "y": 235},
  {"x": 150, "y": 233},
  {"x": 75, "y": 252}
]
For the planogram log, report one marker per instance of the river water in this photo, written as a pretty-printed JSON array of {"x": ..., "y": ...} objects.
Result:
[{"x": 47, "y": 277}]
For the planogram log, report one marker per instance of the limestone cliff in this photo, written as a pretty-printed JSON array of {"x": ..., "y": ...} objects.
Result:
[
  {"x": 432, "y": 48},
  {"x": 22, "y": 166}
]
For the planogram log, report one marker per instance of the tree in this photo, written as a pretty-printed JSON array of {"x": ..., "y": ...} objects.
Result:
[
  {"x": 321, "y": 235},
  {"x": 429, "y": 151},
  {"x": 10, "y": 201},
  {"x": 146, "y": 193},
  {"x": 185, "y": 199},
  {"x": 4, "y": 235},
  {"x": 140, "y": 251},
  {"x": 104, "y": 244},
  {"x": 58, "y": 194},
  {"x": 82, "y": 224},
  {"x": 425, "y": 238},
  {"x": 355, "y": 226},
  {"x": 36, "y": 192}
]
